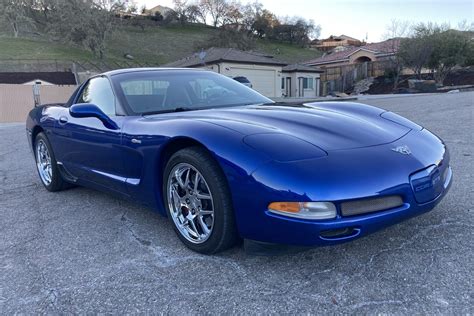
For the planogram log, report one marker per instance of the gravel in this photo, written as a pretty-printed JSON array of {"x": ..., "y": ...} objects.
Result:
[{"x": 81, "y": 251}]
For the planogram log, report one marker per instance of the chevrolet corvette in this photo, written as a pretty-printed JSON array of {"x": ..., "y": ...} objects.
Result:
[{"x": 225, "y": 163}]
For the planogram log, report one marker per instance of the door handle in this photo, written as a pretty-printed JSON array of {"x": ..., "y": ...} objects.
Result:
[{"x": 63, "y": 120}]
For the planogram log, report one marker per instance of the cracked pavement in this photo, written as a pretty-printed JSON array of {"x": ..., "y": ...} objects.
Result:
[{"x": 82, "y": 251}]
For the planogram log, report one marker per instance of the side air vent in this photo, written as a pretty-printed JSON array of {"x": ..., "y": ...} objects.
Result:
[{"x": 358, "y": 207}]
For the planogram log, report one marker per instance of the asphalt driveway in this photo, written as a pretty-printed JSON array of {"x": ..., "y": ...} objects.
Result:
[{"x": 82, "y": 251}]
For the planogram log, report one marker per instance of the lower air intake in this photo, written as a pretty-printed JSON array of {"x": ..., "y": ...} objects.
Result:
[{"x": 370, "y": 205}]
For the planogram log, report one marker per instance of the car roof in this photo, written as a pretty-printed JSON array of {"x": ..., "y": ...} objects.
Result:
[
  {"x": 241, "y": 78},
  {"x": 131, "y": 70}
]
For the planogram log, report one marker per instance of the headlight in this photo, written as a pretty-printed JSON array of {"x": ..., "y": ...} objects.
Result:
[{"x": 306, "y": 210}]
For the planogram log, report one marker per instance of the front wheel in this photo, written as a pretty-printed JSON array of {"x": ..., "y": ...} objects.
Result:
[
  {"x": 198, "y": 201},
  {"x": 47, "y": 166}
]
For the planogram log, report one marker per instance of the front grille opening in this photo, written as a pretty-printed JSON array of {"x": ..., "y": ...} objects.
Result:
[{"x": 358, "y": 207}]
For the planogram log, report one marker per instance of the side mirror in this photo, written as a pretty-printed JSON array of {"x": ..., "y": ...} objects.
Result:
[{"x": 91, "y": 110}]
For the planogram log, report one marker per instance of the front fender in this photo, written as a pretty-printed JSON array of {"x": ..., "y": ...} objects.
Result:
[{"x": 145, "y": 141}]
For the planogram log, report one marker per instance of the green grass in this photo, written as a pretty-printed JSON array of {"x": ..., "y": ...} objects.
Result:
[
  {"x": 23, "y": 48},
  {"x": 287, "y": 52},
  {"x": 158, "y": 44},
  {"x": 154, "y": 45}
]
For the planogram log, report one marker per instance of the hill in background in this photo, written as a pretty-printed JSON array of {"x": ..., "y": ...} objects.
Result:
[{"x": 155, "y": 45}]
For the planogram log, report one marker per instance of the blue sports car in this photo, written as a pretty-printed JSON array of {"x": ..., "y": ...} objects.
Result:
[{"x": 225, "y": 163}]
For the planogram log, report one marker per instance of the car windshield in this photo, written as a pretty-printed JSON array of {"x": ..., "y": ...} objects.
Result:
[{"x": 158, "y": 91}]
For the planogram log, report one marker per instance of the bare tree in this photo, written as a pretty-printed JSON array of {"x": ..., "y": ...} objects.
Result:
[
  {"x": 466, "y": 26},
  {"x": 250, "y": 12},
  {"x": 84, "y": 22},
  {"x": 196, "y": 13},
  {"x": 233, "y": 14},
  {"x": 15, "y": 13},
  {"x": 264, "y": 23},
  {"x": 217, "y": 10},
  {"x": 394, "y": 31},
  {"x": 181, "y": 9}
]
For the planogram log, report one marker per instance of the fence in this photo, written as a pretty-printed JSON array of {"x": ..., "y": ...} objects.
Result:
[
  {"x": 17, "y": 100},
  {"x": 342, "y": 78},
  {"x": 54, "y": 65}
]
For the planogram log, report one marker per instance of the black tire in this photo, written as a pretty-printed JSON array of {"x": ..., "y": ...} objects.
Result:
[
  {"x": 224, "y": 232},
  {"x": 57, "y": 183}
]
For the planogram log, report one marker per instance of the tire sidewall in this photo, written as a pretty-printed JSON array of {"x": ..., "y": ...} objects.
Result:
[
  {"x": 56, "y": 180},
  {"x": 220, "y": 200}
]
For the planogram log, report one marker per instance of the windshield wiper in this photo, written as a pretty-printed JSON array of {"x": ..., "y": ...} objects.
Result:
[
  {"x": 183, "y": 109},
  {"x": 178, "y": 109},
  {"x": 260, "y": 104}
]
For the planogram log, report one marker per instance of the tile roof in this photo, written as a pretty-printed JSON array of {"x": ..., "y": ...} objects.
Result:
[
  {"x": 301, "y": 68},
  {"x": 386, "y": 47},
  {"x": 57, "y": 78},
  {"x": 216, "y": 55}
]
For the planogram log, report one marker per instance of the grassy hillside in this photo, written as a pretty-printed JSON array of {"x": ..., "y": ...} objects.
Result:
[
  {"x": 154, "y": 45},
  {"x": 23, "y": 48}
]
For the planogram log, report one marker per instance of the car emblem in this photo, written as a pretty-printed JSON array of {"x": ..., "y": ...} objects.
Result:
[{"x": 404, "y": 150}]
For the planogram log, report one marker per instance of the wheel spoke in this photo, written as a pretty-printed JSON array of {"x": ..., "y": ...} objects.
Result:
[
  {"x": 186, "y": 180},
  {"x": 203, "y": 225},
  {"x": 206, "y": 212},
  {"x": 203, "y": 196},
  {"x": 196, "y": 181},
  {"x": 178, "y": 176},
  {"x": 185, "y": 202},
  {"x": 176, "y": 200},
  {"x": 193, "y": 228},
  {"x": 182, "y": 220}
]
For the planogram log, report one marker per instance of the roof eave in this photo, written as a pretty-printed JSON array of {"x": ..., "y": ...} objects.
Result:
[
  {"x": 223, "y": 60},
  {"x": 305, "y": 71}
]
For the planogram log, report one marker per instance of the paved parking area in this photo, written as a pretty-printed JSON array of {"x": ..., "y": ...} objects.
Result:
[{"x": 81, "y": 251}]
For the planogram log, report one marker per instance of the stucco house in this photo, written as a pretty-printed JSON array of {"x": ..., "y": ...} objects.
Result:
[
  {"x": 334, "y": 41},
  {"x": 300, "y": 81},
  {"x": 371, "y": 52},
  {"x": 159, "y": 8},
  {"x": 267, "y": 74}
]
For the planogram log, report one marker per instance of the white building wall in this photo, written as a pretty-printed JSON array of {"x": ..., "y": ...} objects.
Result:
[
  {"x": 265, "y": 79},
  {"x": 295, "y": 84}
]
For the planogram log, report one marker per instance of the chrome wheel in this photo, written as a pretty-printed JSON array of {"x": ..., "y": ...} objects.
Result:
[
  {"x": 190, "y": 203},
  {"x": 43, "y": 162}
]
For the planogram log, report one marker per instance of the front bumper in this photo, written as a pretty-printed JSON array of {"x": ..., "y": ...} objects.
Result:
[
  {"x": 367, "y": 173},
  {"x": 342, "y": 229}
]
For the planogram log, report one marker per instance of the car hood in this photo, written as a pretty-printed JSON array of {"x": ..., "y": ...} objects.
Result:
[{"x": 329, "y": 126}]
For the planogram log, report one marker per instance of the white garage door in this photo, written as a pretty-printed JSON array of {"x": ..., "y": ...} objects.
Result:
[{"x": 263, "y": 80}]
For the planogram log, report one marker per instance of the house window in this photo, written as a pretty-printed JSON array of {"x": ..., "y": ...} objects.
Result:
[
  {"x": 308, "y": 83},
  {"x": 283, "y": 83}
]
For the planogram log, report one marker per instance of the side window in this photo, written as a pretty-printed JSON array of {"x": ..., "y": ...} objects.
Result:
[
  {"x": 99, "y": 92},
  {"x": 308, "y": 83},
  {"x": 145, "y": 95}
]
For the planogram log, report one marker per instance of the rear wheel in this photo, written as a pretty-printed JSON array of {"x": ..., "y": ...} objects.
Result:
[
  {"x": 198, "y": 201},
  {"x": 47, "y": 166}
]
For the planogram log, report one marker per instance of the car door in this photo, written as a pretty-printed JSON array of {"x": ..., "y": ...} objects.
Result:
[{"x": 90, "y": 151}]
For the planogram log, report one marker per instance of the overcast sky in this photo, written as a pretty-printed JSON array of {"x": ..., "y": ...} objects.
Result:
[{"x": 358, "y": 18}]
